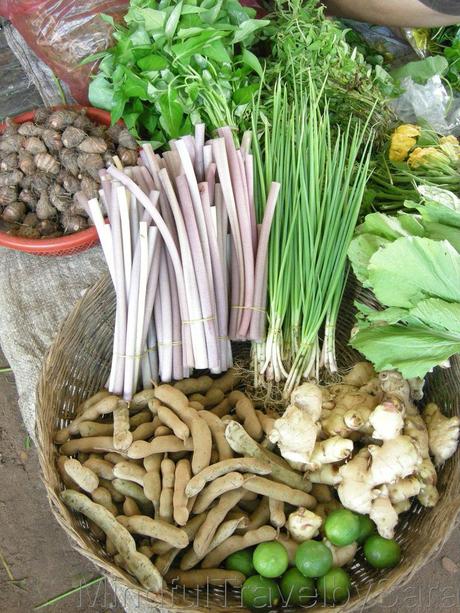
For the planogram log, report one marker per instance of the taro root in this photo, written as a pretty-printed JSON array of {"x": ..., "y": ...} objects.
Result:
[
  {"x": 44, "y": 209},
  {"x": 59, "y": 198},
  {"x": 10, "y": 178},
  {"x": 41, "y": 115},
  {"x": 26, "y": 181},
  {"x": 30, "y": 219},
  {"x": 128, "y": 157},
  {"x": 39, "y": 182},
  {"x": 72, "y": 136},
  {"x": 8, "y": 195},
  {"x": 70, "y": 183},
  {"x": 25, "y": 195},
  {"x": 27, "y": 232},
  {"x": 26, "y": 162},
  {"x": 114, "y": 131},
  {"x": 73, "y": 223},
  {"x": 89, "y": 187},
  {"x": 11, "y": 127},
  {"x": 46, "y": 227},
  {"x": 35, "y": 145},
  {"x": 30, "y": 129},
  {"x": 93, "y": 144},
  {"x": 69, "y": 159},
  {"x": 47, "y": 163},
  {"x": 11, "y": 143},
  {"x": 90, "y": 163},
  {"x": 14, "y": 212},
  {"x": 83, "y": 122},
  {"x": 58, "y": 120},
  {"x": 125, "y": 139},
  {"x": 9, "y": 162},
  {"x": 52, "y": 139}
]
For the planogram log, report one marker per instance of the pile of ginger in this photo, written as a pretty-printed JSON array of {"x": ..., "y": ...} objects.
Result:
[{"x": 365, "y": 438}]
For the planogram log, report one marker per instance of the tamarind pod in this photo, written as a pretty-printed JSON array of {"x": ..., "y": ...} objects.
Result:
[
  {"x": 114, "y": 457},
  {"x": 228, "y": 381},
  {"x": 130, "y": 507},
  {"x": 161, "y": 547},
  {"x": 154, "y": 405},
  {"x": 210, "y": 576},
  {"x": 92, "y": 443},
  {"x": 110, "y": 547},
  {"x": 140, "y": 566},
  {"x": 290, "y": 546},
  {"x": 230, "y": 481},
  {"x": 152, "y": 479},
  {"x": 241, "y": 443},
  {"x": 122, "y": 437},
  {"x": 266, "y": 422},
  {"x": 225, "y": 531},
  {"x": 129, "y": 488},
  {"x": 83, "y": 476},
  {"x": 163, "y": 431},
  {"x": 162, "y": 444},
  {"x": 213, "y": 397},
  {"x": 260, "y": 516},
  {"x": 277, "y": 515},
  {"x": 218, "y": 434},
  {"x": 202, "y": 444},
  {"x": 91, "y": 401},
  {"x": 182, "y": 476},
  {"x": 143, "y": 417},
  {"x": 95, "y": 428},
  {"x": 155, "y": 528},
  {"x": 144, "y": 431},
  {"x": 196, "y": 405},
  {"x": 68, "y": 482},
  {"x": 170, "y": 419},
  {"x": 191, "y": 386},
  {"x": 141, "y": 399},
  {"x": 130, "y": 471},
  {"x": 102, "y": 407},
  {"x": 100, "y": 467},
  {"x": 165, "y": 559},
  {"x": 165, "y": 508},
  {"x": 279, "y": 491},
  {"x": 251, "y": 465},
  {"x": 245, "y": 411},
  {"x": 197, "y": 398},
  {"x": 102, "y": 496},
  {"x": 222, "y": 408},
  {"x": 213, "y": 520},
  {"x": 177, "y": 401},
  {"x": 116, "y": 496},
  {"x": 237, "y": 543}
]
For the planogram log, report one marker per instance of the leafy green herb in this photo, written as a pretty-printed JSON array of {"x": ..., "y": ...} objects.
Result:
[
  {"x": 178, "y": 63},
  {"x": 422, "y": 70}
]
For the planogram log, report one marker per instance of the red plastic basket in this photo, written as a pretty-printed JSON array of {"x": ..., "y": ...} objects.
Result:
[{"x": 63, "y": 245}]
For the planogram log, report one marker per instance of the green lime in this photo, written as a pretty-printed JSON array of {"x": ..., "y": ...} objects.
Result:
[
  {"x": 313, "y": 559},
  {"x": 366, "y": 528},
  {"x": 270, "y": 559},
  {"x": 342, "y": 527},
  {"x": 260, "y": 593},
  {"x": 334, "y": 586},
  {"x": 297, "y": 590},
  {"x": 242, "y": 561},
  {"x": 381, "y": 552}
]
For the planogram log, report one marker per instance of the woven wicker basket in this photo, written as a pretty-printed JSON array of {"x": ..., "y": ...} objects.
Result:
[{"x": 78, "y": 364}]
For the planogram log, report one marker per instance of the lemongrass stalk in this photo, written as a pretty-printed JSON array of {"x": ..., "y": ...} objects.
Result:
[
  {"x": 206, "y": 293},
  {"x": 189, "y": 143},
  {"x": 157, "y": 316},
  {"x": 199, "y": 157},
  {"x": 133, "y": 222},
  {"x": 104, "y": 237},
  {"x": 136, "y": 174},
  {"x": 124, "y": 206},
  {"x": 249, "y": 171},
  {"x": 245, "y": 146},
  {"x": 177, "y": 359},
  {"x": 145, "y": 248},
  {"x": 166, "y": 364},
  {"x": 222, "y": 226},
  {"x": 147, "y": 178},
  {"x": 131, "y": 324},
  {"x": 211, "y": 181},
  {"x": 152, "y": 283},
  {"x": 152, "y": 355},
  {"x": 207, "y": 157}
]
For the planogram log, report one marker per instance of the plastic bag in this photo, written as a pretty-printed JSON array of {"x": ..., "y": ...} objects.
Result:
[
  {"x": 63, "y": 32},
  {"x": 430, "y": 103}
]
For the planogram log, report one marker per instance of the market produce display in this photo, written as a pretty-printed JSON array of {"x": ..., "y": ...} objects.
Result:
[{"x": 49, "y": 168}]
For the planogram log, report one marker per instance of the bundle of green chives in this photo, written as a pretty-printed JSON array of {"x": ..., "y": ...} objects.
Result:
[{"x": 323, "y": 173}]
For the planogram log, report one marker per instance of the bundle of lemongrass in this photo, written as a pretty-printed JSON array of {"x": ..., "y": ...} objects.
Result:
[
  {"x": 186, "y": 256},
  {"x": 322, "y": 171}
]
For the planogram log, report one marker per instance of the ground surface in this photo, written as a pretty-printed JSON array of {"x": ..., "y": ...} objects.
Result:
[{"x": 34, "y": 549}]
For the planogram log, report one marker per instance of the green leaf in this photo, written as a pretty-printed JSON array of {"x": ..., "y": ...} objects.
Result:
[
  {"x": 434, "y": 312},
  {"x": 361, "y": 249},
  {"x": 217, "y": 52},
  {"x": 385, "y": 226},
  {"x": 252, "y": 61},
  {"x": 152, "y": 62},
  {"x": 134, "y": 86},
  {"x": 118, "y": 106},
  {"x": 106, "y": 66},
  {"x": 211, "y": 15},
  {"x": 249, "y": 27},
  {"x": 413, "y": 268},
  {"x": 100, "y": 93},
  {"x": 151, "y": 19},
  {"x": 108, "y": 19},
  {"x": 410, "y": 349},
  {"x": 421, "y": 71},
  {"x": 194, "y": 45},
  {"x": 173, "y": 20},
  {"x": 441, "y": 232},
  {"x": 244, "y": 95},
  {"x": 93, "y": 58},
  {"x": 171, "y": 114}
]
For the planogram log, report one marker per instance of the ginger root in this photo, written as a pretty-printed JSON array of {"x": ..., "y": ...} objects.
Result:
[
  {"x": 303, "y": 525},
  {"x": 443, "y": 433},
  {"x": 387, "y": 421},
  {"x": 295, "y": 433},
  {"x": 383, "y": 514},
  {"x": 334, "y": 449},
  {"x": 341, "y": 555}
]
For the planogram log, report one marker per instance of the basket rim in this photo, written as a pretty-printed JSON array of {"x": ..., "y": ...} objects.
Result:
[
  {"x": 80, "y": 540},
  {"x": 62, "y": 245}
]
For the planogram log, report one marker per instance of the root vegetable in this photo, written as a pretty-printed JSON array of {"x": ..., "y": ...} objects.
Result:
[
  {"x": 128, "y": 157},
  {"x": 10, "y": 178},
  {"x": 10, "y": 162},
  {"x": 58, "y": 120},
  {"x": 92, "y": 443},
  {"x": 28, "y": 128},
  {"x": 217, "y": 429},
  {"x": 162, "y": 444},
  {"x": 7, "y": 195},
  {"x": 279, "y": 491},
  {"x": 122, "y": 437},
  {"x": 341, "y": 556},
  {"x": 126, "y": 140},
  {"x": 182, "y": 476},
  {"x": 386, "y": 421},
  {"x": 14, "y": 212},
  {"x": 396, "y": 387},
  {"x": 245, "y": 411},
  {"x": 216, "y": 488},
  {"x": 355, "y": 489},
  {"x": 92, "y": 144},
  {"x": 202, "y": 444},
  {"x": 251, "y": 465},
  {"x": 395, "y": 459},
  {"x": 303, "y": 525},
  {"x": 101, "y": 495},
  {"x": 360, "y": 374},
  {"x": 170, "y": 419},
  {"x": 403, "y": 489},
  {"x": 34, "y": 145},
  {"x": 295, "y": 434},
  {"x": 309, "y": 398},
  {"x": 428, "y": 495},
  {"x": 155, "y": 528},
  {"x": 100, "y": 467},
  {"x": 138, "y": 564},
  {"x": 334, "y": 449},
  {"x": 167, "y": 469},
  {"x": 240, "y": 441},
  {"x": 130, "y": 471},
  {"x": 237, "y": 543},
  {"x": 72, "y": 136},
  {"x": 210, "y": 576},
  {"x": 47, "y": 163},
  {"x": 214, "y": 519},
  {"x": 384, "y": 515},
  {"x": 277, "y": 515},
  {"x": 443, "y": 433}
]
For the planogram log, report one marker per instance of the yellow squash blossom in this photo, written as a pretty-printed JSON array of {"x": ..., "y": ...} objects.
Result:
[
  {"x": 448, "y": 140},
  {"x": 402, "y": 141},
  {"x": 428, "y": 156}
]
